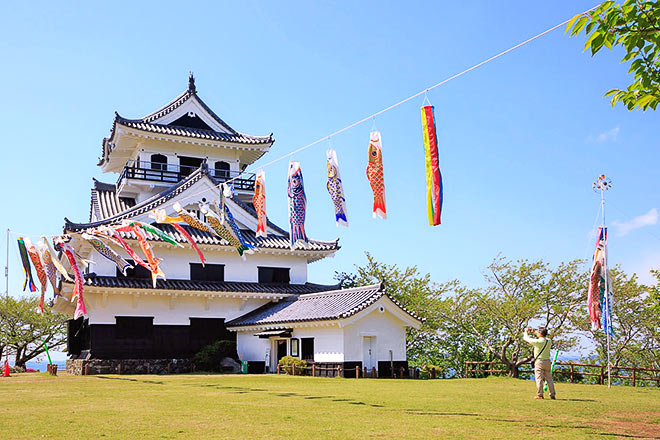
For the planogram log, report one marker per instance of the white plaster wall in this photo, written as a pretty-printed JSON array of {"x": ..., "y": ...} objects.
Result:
[
  {"x": 183, "y": 308},
  {"x": 172, "y": 150},
  {"x": 328, "y": 342},
  {"x": 250, "y": 347},
  {"x": 176, "y": 263},
  {"x": 389, "y": 331}
]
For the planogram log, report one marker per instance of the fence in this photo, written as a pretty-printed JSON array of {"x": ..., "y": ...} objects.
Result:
[
  {"x": 338, "y": 371},
  {"x": 575, "y": 372}
]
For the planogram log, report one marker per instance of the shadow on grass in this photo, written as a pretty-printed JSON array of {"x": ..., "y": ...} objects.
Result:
[
  {"x": 612, "y": 434},
  {"x": 154, "y": 382},
  {"x": 439, "y": 413}
]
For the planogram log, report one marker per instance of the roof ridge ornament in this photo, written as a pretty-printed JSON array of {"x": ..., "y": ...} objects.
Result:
[{"x": 191, "y": 83}]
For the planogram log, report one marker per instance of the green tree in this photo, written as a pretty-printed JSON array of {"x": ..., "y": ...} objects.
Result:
[
  {"x": 26, "y": 330},
  {"x": 655, "y": 290},
  {"x": 518, "y": 294},
  {"x": 635, "y": 26},
  {"x": 438, "y": 342}
]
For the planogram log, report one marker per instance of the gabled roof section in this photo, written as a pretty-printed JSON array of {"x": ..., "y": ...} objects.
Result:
[
  {"x": 187, "y": 116},
  {"x": 190, "y": 93},
  {"x": 324, "y": 306}
]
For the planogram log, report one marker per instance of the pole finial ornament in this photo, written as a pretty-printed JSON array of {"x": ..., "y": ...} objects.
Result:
[
  {"x": 191, "y": 83},
  {"x": 603, "y": 183}
]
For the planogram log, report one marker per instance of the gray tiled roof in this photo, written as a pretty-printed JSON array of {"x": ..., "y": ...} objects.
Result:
[
  {"x": 105, "y": 202},
  {"x": 204, "y": 286},
  {"x": 201, "y": 237},
  {"x": 180, "y": 100},
  {"x": 198, "y": 133},
  {"x": 141, "y": 208},
  {"x": 147, "y": 124},
  {"x": 336, "y": 304}
]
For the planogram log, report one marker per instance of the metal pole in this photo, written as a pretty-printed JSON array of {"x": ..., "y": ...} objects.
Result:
[
  {"x": 607, "y": 285},
  {"x": 7, "y": 293}
]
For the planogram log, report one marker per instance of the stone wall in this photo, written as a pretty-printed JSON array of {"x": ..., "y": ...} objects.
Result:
[{"x": 79, "y": 367}]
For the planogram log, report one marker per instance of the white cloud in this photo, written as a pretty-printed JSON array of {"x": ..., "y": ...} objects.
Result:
[
  {"x": 606, "y": 136},
  {"x": 642, "y": 267},
  {"x": 625, "y": 228}
]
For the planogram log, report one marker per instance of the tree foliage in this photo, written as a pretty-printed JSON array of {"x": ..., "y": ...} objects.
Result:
[
  {"x": 438, "y": 342},
  {"x": 655, "y": 291},
  {"x": 635, "y": 26},
  {"x": 26, "y": 330},
  {"x": 518, "y": 295},
  {"x": 463, "y": 324}
]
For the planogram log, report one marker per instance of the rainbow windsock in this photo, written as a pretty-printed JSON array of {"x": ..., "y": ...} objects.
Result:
[{"x": 433, "y": 176}]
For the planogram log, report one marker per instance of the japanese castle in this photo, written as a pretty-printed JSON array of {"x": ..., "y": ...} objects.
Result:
[{"x": 180, "y": 154}]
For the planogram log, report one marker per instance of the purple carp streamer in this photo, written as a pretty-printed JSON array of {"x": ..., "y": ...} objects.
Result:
[
  {"x": 297, "y": 206},
  {"x": 336, "y": 189}
]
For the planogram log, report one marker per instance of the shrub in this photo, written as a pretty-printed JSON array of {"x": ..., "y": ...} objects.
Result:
[
  {"x": 209, "y": 357},
  {"x": 425, "y": 371},
  {"x": 287, "y": 362}
]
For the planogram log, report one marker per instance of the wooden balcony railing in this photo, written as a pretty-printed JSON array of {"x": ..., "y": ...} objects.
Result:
[{"x": 160, "y": 172}]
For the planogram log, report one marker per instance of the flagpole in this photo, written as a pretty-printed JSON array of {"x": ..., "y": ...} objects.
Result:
[
  {"x": 7, "y": 293},
  {"x": 607, "y": 292}
]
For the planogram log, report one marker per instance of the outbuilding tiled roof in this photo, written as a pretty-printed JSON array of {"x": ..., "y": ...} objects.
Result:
[
  {"x": 336, "y": 304},
  {"x": 106, "y": 204},
  {"x": 203, "y": 286}
]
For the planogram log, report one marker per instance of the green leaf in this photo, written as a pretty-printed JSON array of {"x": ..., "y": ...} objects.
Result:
[
  {"x": 579, "y": 25},
  {"x": 591, "y": 38},
  {"x": 571, "y": 21},
  {"x": 597, "y": 43},
  {"x": 644, "y": 100}
]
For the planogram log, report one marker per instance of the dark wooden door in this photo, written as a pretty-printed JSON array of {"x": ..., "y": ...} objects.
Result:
[{"x": 281, "y": 349}]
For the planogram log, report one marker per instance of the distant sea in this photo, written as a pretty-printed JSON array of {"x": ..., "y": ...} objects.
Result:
[{"x": 41, "y": 366}]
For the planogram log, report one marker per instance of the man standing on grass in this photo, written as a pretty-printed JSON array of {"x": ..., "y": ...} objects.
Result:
[{"x": 542, "y": 364}]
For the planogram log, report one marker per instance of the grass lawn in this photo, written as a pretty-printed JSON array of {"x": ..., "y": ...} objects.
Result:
[{"x": 264, "y": 407}]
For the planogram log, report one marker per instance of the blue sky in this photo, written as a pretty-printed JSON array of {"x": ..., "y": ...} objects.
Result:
[{"x": 521, "y": 139}]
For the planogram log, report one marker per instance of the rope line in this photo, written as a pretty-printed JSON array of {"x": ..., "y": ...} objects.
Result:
[
  {"x": 403, "y": 101},
  {"x": 393, "y": 106}
]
